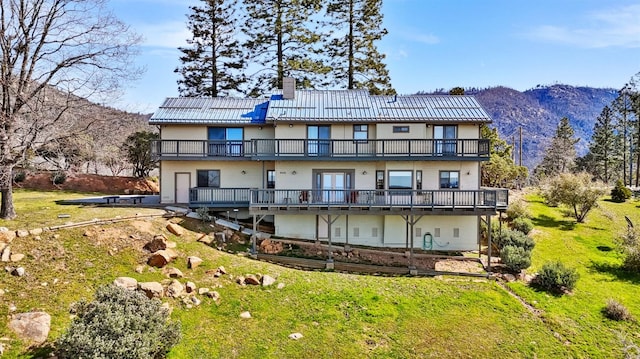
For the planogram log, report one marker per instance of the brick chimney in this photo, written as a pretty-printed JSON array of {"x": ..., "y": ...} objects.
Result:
[{"x": 288, "y": 88}]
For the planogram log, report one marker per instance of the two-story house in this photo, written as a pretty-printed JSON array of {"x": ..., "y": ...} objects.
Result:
[{"x": 339, "y": 166}]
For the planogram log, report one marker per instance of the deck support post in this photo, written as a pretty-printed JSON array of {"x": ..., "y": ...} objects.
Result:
[
  {"x": 411, "y": 221},
  {"x": 254, "y": 249},
  {"x": 489, "y": 241}
]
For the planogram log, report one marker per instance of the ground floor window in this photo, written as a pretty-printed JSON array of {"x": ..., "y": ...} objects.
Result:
[
  {"x": 209, "y": 178},
  {"x": 400, "y": 180},
  {"x": 449, "y": 179}
]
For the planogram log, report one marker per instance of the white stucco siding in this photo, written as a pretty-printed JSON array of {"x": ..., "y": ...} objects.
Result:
[
  {"x": 303, "y": 177},
  {"x": 384, "y": 131},
  {"x": 259, "y": 132},
  {"x": 468, "y": 131},
  {"x": 230, "y": 175},
  {"x": 295, "y": 226},
  {"x": 183, "y": 132}
]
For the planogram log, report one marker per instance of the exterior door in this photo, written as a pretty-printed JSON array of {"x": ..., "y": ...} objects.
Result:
[
  {"x": 445, "y": 139},
  {"x": 183, "y": 183},
  {"x": 319, "y": 144},
  {"x": 333, "y": 186}
]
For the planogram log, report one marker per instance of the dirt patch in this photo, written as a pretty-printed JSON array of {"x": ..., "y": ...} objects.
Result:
[{"x": 90, "y": 183}]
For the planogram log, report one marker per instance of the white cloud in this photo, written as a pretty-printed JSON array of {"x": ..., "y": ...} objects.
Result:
[
  {"x": 172, "y": 34},
  {"x": 429, "y": 39},
  {"x": 619, "y": 27}
]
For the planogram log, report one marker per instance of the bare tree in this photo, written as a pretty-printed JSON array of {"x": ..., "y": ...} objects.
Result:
[{"x": 54, "y": 55}]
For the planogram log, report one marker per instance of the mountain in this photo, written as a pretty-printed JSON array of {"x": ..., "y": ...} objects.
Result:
[{"x": 539, "y": 110}]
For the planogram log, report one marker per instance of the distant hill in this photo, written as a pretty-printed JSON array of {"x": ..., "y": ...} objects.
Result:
[{"x": 539, "y": 111}]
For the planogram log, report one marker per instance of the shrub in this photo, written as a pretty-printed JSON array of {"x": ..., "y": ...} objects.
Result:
[
  {"x": 518, "y": 209},
  {"x": 203, "y": 213},
  {"x": 629, "y": 242},
  {"x": 514, "y": 238},
  {"x": 58, "y": 177},
  {"x": 555, "y": 277},
  {"x": 620, "y": 193},
  {"x": 576, "y": 191},
  {"x": 19, "y": 177},
  {"x": 119, "y": 323},
  {"x": 614, "y": 310},
  {"x": 522, "y": 224},
  {"x": 515, "y": 258}
]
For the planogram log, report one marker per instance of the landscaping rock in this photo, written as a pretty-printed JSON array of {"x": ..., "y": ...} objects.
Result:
[
  {"x": 213, "y": 295},
  {"x": 18, "y": 272},
  {"x": 5, "y": 256},
  {"x": 175, "y": 229},
  {"x": 17, "y": 257},
  {"x": 171, "y": 245},
  {"x": 280, "y": 285},
  {"x": 126, "y": 283},
  {"x": 172, "y": 272},
  {"x": 33, "y": 327},
  {"x": 240, "y": 280},
  {"x": 220, "y": 236},
  {"x": 7, "y": 236},
  {"x": 158, "y": 243},
  {"x": 175, "y": 289},
  {"x": 201, "y": 291},
  {"x": 22, "y": 233},
  {"x": 295, "y": 336},
  {"x": 190, "y": 287},
  {"x": 196, "y": 301},
  {"x": 245, "y": 315},
  {"x": 509, "y": 277},
  {"x": 270, "y": 247},
  {"x": 193, "y": 262},
  {"x": 36, "y": 231},
  {"x": 267, "y": 280},
  {"x": 151, "y": 289},
  {"x": 161, "y": 258},
  {"x": 206, "y": 239},
  {"x": 221, "y": 270},
  {"x": 252, "y": 279}
]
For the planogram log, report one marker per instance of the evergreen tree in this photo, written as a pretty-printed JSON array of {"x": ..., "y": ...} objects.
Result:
[
  {"x": 282, "y": 41},
  {"x": 606, "y": 148},
  {"x": 356, "y": 27},
  {"x": 500, "y": 170},
  {"x": 213, "y": 63},
  {"x": 621, "y": 109},
  {"x": 560, "y": 156}
]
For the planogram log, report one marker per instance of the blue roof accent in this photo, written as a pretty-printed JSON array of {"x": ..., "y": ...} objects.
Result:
[
  {"x": 259, "y": 113},
  {"x": 277, "y": 97}
]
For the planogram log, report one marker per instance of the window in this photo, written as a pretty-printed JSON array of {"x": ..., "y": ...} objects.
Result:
[
  {"x": 225, "y": 141},
  {"x": 418, "y": 180},
  {"x": 209, "y": 178},
  {"x": 400, "y": 180},
  {"x": 379, "y": 179},
  {"x": 400, "y": 129},
  {"x": 445, "y": 139},
  {"x": 360, "y": 132},
  {"x": 271, "y": 179},
  {"x": 449, "y": 179}
]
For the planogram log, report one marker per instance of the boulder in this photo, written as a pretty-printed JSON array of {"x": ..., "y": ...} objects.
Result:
[
  {"x": 151, "y": 289},
  {"x": 175, "y": 229},
  {"x": 161, "y": 258},
  {"x": 18, "y": 272},
  {"x": 17, "y": 257},
  {"x": 175, "y": 289},
  {"x": 33, "y": 327},
  {"x": 193, "y": 262},
  {"x": 190, "y": 287},
  {"x": 509, "y": 277},
  {"x": 213, "y": 295},
  {"x": 221, "y": 270},
  {"x": 268, "y": 246},
  {"x": 204, "y": 238},
  {"x": 158, "y": 243},
  {"x": 267, "y": 280},
  {"x": 126, "y": 283},
  {"x": 22, "y": 233},
  {"x": 36, "y": 231},
  {"x": 7, "y": 236},
  {"x": 196, "y": 301},
  {"x": 5, "y": 256},
  {"x": 203, "y": 290},
  {"x": 172, "y": 272},
  {"x": 240, "y": 280},
  {"x": 251, "y": 279}
]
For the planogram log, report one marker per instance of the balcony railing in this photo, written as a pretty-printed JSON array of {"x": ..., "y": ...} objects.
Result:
[
  {"x": 306, "y": 149},
  {"x": 306, "y": 198}
]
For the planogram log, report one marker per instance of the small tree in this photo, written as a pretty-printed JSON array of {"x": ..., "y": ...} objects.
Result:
[
  {"x": 620, "y": 193},
  {"x": 119, "y": 323},
  {"x": 629, "y": 242},
  {"x": 138, "y": 149},
  {"x": 576, "y": 191}
]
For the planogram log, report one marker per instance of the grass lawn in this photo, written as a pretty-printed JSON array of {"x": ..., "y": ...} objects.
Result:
[{"x": 339, "y": 315}]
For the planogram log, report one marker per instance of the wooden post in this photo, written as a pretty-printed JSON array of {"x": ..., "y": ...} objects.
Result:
[{"x": 489, "y": 241}]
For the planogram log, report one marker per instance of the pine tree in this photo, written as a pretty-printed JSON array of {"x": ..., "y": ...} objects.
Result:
[
  {"x": 561, "y": 153},
  {"x": 606, "y": 148},
  {"x": 213, "y": 63},
  {"x": 282, "y": 42},
  {"x": 356, "y": 62},
  {"x": 500, "y": 170}
]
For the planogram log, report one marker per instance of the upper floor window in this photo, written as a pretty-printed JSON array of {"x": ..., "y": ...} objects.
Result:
[
  {"x": 209, "y": 178},
  {"x": 449, "y": 179},
  {"x": 400, "y": 179},
  {"x": 360, "y": 132},
  {"x": 400, "y": 129},
  {"x": 271, "y": 179}
]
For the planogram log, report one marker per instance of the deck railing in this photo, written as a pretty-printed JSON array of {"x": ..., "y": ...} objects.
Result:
[
  {"x": 321, "y": 149},
  {"x": 298, "y": 198}
]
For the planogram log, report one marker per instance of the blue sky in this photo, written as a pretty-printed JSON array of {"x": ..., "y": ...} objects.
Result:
[{"x": 436, "y": 44}]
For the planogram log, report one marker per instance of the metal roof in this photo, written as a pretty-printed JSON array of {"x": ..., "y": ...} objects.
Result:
[
  {"x": 210, "y": 110},
  {"x": 322, "y": 106}
]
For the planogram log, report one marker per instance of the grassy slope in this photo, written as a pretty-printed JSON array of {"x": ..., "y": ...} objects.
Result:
[{"x": 340, "y": 315}]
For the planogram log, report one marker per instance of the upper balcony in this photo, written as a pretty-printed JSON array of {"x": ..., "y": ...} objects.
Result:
[{"x": 311, "y": 149}]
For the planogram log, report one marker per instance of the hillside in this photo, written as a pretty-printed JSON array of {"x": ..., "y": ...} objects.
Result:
[{"x": 539, "y": 110}]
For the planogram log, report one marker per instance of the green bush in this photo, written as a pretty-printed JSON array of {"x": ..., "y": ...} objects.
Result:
[
  {"x": 19, "y": 177},
  {"x": 118, "y": 323},
  {"x": 555, "y": 277},
  {"x": 620, "y": 193},
  {"x": 614, "y": 310},
  {"x": 58, "y": 177},
  {"x": 518, "y": 209},
  {"x": 510, "y": 237},
  {"x": 522, "y": 224},
  {"x": 629, "y": 242},
  {"x": 203, "y": 213},
  {"x": 515, "y": 258}
]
